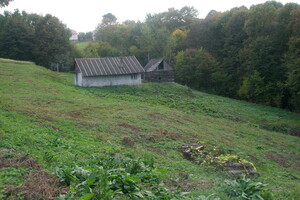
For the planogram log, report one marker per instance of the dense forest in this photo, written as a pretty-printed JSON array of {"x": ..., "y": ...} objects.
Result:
[{"x": 251, "y": 54}]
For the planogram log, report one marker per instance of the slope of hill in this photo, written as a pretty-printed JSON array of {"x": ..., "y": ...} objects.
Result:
[{"x": 44, "y": 116}]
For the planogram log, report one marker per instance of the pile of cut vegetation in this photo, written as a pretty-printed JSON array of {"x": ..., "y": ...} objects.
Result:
[{"x": 232, "y": 164}]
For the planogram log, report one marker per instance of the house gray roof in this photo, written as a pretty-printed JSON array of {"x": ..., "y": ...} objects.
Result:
[
  {"x": 108, "y": 66},
  {"x": 154, "y": 63}
]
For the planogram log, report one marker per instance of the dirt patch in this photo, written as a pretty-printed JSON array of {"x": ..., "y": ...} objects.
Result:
[
  {"x": 18, "y": 161},
  {"x": 275, "y": 157},
  {"x": 160, "y": 134},
  {"x": 132, "y": 127},
  {"x": 171, "y": 135},
  {"x": 38, "y": 185},
  {"x": 74, "y": 114},
  {"x": 161, "y": 116},
  {"x": 288, "y": 160},
  {"x": 47, "y": 118}
]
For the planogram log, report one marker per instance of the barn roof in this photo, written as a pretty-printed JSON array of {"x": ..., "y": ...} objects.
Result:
[
  {"x": 153, "y": 64},
  {"x": 108, "y": 66}
]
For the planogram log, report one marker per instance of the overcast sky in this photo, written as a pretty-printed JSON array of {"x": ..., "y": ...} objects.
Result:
[{"x": 83, "y": 16}]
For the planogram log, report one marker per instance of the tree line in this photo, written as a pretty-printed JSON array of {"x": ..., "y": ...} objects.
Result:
[
  {"x": 41, "y": 39},
  {"x": 251, "y": 54}
]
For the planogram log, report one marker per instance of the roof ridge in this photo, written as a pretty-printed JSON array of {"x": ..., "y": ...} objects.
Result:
[{"x": 105, "y": 57}]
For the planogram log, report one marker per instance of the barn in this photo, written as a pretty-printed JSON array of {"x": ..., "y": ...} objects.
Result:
[
  {"x": 158, "y": 70},
  {"x": 109, "y": 71}
]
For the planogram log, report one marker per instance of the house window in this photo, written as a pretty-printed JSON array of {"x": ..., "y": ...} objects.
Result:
[{"x": 134, "y": 76}]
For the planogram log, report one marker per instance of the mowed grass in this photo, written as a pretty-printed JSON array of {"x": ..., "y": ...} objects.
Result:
[{"x": 43, "y": 115}]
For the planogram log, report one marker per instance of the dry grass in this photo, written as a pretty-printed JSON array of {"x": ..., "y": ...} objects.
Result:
[
  {"x": 22, "y": 161},
  {"x": 38, "y": 185}
]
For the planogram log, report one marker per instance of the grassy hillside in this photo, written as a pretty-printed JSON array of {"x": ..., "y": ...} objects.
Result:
[{"x": 43, "y": 116}]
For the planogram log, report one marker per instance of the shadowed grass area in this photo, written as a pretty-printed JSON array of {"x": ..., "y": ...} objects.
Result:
[{"x": 43, "y": 115}]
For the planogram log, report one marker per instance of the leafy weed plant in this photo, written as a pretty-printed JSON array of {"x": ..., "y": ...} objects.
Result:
[
  {"x": 114, "y": 177},
  {"x": 245, "y": 188}
]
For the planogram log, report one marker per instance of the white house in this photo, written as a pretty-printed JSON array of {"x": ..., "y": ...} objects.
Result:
[
  {"x": 98, "y": 72},
  {"x": 74, "y": 36}
]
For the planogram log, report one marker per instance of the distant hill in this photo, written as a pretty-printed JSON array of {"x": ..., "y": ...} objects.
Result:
[{"x": 63, "y": 127}]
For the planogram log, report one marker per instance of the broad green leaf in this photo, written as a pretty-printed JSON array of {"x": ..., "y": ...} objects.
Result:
[{"x": 87, "y": 197}]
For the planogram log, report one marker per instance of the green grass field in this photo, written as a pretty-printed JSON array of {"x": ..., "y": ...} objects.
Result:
[
  {"x": 82, "y": 45},
  {"x": 60, "y": 126}
]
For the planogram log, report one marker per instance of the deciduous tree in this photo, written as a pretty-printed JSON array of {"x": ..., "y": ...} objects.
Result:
[
  {"x": 4, "y": 3},
  {"x": 195, "y": 68}
]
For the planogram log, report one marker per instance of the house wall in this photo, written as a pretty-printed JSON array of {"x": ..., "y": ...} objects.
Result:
[
  {"x": 160, "y": 76},
  {"x": 78, "y": 79},
  {"x": 74, "y": 37},
  {"x": 100, "y": 81}
]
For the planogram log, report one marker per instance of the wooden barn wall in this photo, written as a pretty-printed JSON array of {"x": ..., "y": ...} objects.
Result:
[{"x": 159, "y": 76}]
